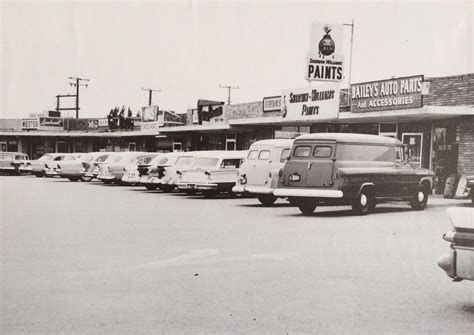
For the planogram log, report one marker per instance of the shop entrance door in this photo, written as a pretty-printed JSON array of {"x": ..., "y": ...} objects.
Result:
[
  {"x": 414, "y": 146},
  {"x": 3, "y": 146},
  {"x": 61, "y": 146}
]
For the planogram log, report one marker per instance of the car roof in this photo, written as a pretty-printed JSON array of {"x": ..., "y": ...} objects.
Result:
[
  {"x": 221, "y": 154},
  {"x": 350, "y": 138},
  {"x": 274, "y": 143}
]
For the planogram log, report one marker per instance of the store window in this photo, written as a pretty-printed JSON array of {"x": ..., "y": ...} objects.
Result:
[
  {"x": 231, "y": 142},
  {"x": 388, "y": 129}
]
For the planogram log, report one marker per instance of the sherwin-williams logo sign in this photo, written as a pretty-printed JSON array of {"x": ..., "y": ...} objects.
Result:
[
  {"x": 390, "y": 94},
  {"x": 311, "y": 103},
  {"x": 325, "y": 60}
]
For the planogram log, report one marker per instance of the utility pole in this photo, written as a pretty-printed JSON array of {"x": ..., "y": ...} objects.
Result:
[
  {"x": 150, "y": 94},
  {"x": 229, "y": 88},
  {"x": 77, "y": 84}
]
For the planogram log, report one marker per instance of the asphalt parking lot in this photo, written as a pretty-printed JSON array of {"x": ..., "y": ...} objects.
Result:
[{"x": 91, "y": 258}]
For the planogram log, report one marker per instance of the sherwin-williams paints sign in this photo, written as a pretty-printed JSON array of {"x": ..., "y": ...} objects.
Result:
[
  {"x": 391, "y": 94},
  {"x": 325, "y": 60},
  {"x": 311, "y": 103}
]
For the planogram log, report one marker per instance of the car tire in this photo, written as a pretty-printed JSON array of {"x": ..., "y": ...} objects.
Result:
[
  {"x": 167, "y": 188},
  {"x": 209, "y": 194},
  {"x": 307, "y": 207},
  {"x": 86, "y": 179},
  {"x": 191, "y": 192},
  {"x": 107, "y": 182},
  {"x": 151, "y": 187},
  {"x": 73, "y": 179},
  {"x": 364, "y": 203},
  {"x": 420, "y": 198},
  {"x": 39, "y": 175},
  {"x": 267, "y": 199},
  {"x": 472, "y": 196}
]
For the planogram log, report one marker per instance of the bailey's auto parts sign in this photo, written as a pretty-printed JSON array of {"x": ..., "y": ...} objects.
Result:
[
  {"x": 390, "y": 94},
  {"x": 325, "y": 60},
  {"x": 311, "y": 103}
]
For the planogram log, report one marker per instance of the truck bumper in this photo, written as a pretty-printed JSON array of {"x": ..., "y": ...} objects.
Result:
[{"x": 307, "y": 193}]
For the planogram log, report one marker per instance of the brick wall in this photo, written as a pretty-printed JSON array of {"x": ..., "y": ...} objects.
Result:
[
  {"x": 465, "y": 131},
  {"x": 450, "y": 91}
]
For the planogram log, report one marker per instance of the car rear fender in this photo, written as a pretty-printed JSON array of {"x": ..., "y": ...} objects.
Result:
[{"x": 369, "y": 186}]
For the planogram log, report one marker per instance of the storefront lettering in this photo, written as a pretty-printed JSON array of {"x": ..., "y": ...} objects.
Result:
[{"x": 387, "y": 94}]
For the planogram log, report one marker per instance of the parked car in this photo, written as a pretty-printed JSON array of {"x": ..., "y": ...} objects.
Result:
[
  {"x": 165, "y": 173},
  {"x": 75, "y": 170},
  {"x": 259, "y": 172},
  {"x": 355, "y": 169},
  {"x": 212, "y": 172},
  {"x": 13, "y": 162},
  {"x": 131, "y": 175},
  {"x": 113, "y": 168},
  {"x": 52, "y": 167},
  {"x": 39, "y": 167},
  {"x": 92, "y": 171},
  {"x": 470, "y": 185},
  {"x": 458, "y": 263}
]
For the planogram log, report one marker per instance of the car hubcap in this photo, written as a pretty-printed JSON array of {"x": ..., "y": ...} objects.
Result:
[
  {"x": 363, "y": 200},
  {"x": 421, "y": 196}
]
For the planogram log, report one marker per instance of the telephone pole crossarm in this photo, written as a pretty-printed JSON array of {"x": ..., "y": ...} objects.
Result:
[
  {"x": 229, "y": 88},
  {"x": 150, "y": 93}
]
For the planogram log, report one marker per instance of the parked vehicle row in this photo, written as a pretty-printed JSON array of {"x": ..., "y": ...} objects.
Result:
[{"x": 321, "y": 169}]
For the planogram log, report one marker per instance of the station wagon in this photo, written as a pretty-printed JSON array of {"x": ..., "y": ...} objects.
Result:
[
  {"x": 259, "y": 172},
  {"x": 355, "y": 169},
  {"x": 212, "y": 172},
  {"x": 13, "y": 162},
  {"x": 458, "y": 263}
]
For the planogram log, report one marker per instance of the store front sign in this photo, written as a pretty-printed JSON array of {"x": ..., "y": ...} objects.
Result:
[
  {"x": 325, "y": 60},
  {"x": 29, "y": 124},
  {"x": 391, "y": 94},
  {"x": 272, "y": 104},
  {"x": 103, "y": 123},
  {"x": 51, "y": 123},
  {"x": 288, "y": 134},
  {"x": 152, "y": 125},
  {"x": 311, "y": 103}
]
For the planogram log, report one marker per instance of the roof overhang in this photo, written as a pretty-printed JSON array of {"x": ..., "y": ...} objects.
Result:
[
  {"x": 426, "y": 113},
  {"x": 118, "y": 134},
  {"x": 196, "y": 128}
]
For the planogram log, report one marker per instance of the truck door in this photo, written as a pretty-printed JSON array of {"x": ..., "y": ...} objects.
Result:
[{"x": 320, "y": 169}]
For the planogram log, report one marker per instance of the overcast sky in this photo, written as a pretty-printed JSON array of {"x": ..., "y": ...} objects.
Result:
[{"x": 188, "y": 48}]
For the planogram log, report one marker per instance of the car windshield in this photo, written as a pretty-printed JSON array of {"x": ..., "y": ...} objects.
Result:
[
  {"x": 159, "y": 160},
  {"x": 145, "y": 159},
  {"x": 86, "y": 158},
  {"x": 184, "y": 161},
  {"x": 46, "y": 158},
  {"x": 102, "y": 158},
  {"x": 201, "y": 162}
]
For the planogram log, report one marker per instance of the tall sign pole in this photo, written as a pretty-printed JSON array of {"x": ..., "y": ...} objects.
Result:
[
  {"x": 77, "y": 84},
  {"x": 352, "y": 43},
  {"x": 150, "y": 94},
  {"x": 229, "y": 88}
]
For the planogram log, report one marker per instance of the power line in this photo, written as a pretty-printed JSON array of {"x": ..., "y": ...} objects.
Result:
[
  {"x": 77, "y": 84},
  {"x": 229, "y": 88},
  {"x": 150, "y": 93}
]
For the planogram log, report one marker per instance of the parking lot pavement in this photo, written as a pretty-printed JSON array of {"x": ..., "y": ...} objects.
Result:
[{"x": 91, "y": 258}]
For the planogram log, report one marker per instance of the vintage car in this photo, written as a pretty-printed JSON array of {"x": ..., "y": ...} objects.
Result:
[
  {"x": 131, "y": 175},
  {"x": 212, "y": 172},
  {"x": 355, "y": 169},
  {"x": 75, "y": 170},
  {"x": 164, "y": 173},
  {"x": 113, "y": 168},
  {"x": 259, "y": 172},
  {"x": 39, "y": 167},
  {"x": 458, "y": 263},
  {"x": 92, "y": 171},
  {"x": 13, "y": 162},
  {"x": 52, "y": 167}
]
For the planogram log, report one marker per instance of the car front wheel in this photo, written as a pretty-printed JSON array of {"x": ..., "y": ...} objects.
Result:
[
  {"x": 267, "y": 199},
  {"x": 420, "y": 199},
  {"x": 364, "y": 203},
  {"x": 307, "y": 207},
  {"x": 151, "y": 187}
]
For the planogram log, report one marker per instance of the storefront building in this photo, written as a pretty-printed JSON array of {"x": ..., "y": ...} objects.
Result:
[{"x": 434, "y": 117}]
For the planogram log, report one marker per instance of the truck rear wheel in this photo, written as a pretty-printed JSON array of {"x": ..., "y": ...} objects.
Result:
[
  {"x": 267, "y": 199},
  {"x": 306, "y": 206}
]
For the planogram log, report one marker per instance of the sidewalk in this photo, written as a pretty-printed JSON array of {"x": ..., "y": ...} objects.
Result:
[{"x": 439, "y": 200}]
